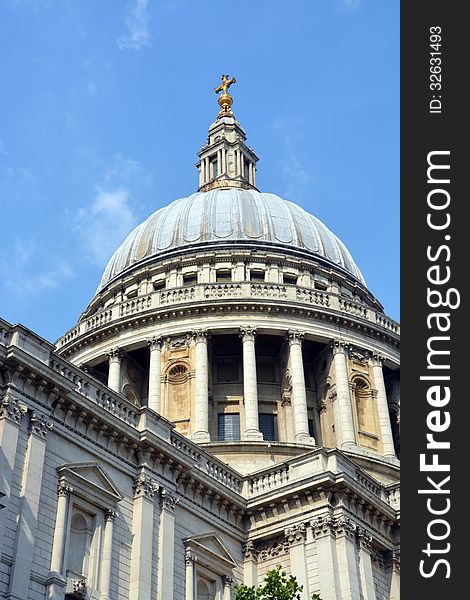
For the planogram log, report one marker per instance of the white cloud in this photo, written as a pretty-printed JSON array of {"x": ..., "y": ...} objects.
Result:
[
  {"x": 295, "y": 175},
  {"x": 343, "y": 6},
  {"x": 136, "y": 21}
]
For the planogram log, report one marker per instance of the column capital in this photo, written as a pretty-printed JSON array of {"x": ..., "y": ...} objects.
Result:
[
  {"x": 338, "y": 346},
  {"x": 200, "y": 335},
  {"x": 115, "y": 355},
  {"x": 323, "y": 526},
  {"x": 39, "y": 425},
  {"x": 227, "y": 580},
  {"x": 169, "y": 500},
  {"x": 396, "y": 561},
  {"x": 364, "y": 540},
  {"x": 11, "y": 408},
  {"x": 110, "y": 515},
  {"x": 345, "y": 526},
  {"x": 189, "y": 557},
  {"x": 295, "y": 337},
  {"x": 249, "y": 550},
  {"x": 155, "y": 343},
  {"x": 247, "y": 332},
  {"x": 296, "y": 534},
  {"x": 377, "y": 360},
  {"x": 63, "y": 489},
  {"x": 145, "y": 487}
]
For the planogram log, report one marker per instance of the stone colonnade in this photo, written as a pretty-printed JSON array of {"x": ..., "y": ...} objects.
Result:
[{"x": 345, "y": 427}]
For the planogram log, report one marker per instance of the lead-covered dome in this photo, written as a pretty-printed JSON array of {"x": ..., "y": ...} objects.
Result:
[{"x": 229, "y": 216}]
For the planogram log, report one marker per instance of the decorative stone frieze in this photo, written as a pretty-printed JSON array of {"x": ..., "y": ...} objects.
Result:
[
  {"x": 272, "y": 548},
  {"x": 145, "y": 486},
  {"x": 11, "y": 408},
  {"x": 39, "y": 425}
]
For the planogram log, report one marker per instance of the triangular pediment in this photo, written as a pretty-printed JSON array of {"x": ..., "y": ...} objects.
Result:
[
  {"x": 92, "y": 477},
  {"x": 210, "y": 544}
]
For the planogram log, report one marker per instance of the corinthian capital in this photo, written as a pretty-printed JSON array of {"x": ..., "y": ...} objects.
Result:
[
  {"x": 155, "y": 343},
  {"x": 339, "y": 346},
  {"x": 294, "y": 337},
  {"x": 200, "y": 335},
  {"x": 11, "y": 408},
  {"x": 296, "y": 534},
  {"x": 169, "y": 500},
  {"x": 145, "y": 487},
  {"x": 39, "y": 425},
  {"x": 377, "y": 360},
  {"x": 115, "y": 355}
]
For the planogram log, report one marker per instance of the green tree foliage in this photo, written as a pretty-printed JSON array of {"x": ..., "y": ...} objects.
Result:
[{"x": 276, "y": 586}]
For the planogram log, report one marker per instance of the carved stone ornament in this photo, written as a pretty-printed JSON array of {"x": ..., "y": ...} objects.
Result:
[
  {"x": 273, "y": 548},
  {"x": 79, "y": 588},
  {"x": 11, "y": 408},
  {"x": 377, "y": 360},
  {"x": 39, "y": 425},
  {"x": 177, "y": 342},
  {"x": 63, "y": 489},
  {"x": 115, "y": 355},
  {"x": 361, "y": 356},
  {"x": 145, "y": 486},
  {"x": 345, "y": 526},
  {"x": 396, "y": 561},
  {"x": 189, "y": 557},
  {"x": 338, "y": 345},
  {"x": 169, "y": 500},
  {"x": 155, "y": 343},
  {"x": 200, "y": 335},
  {"x": 364, "y": 540},
  {"x": 110, "y": 514},
  {"x": 296, "y": 534},
  {"x": 324, "y": 525},
  {"x": 295, "y": 337},
  {"x": 249, "y": 550},
  {"x": 247, "y": 332},
  {"x": 227, "y": 580}
]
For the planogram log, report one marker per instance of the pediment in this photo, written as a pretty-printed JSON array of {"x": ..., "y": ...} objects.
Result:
[
  {"x": 89, "y": 478},
  {"x": 209, "y": 545}
]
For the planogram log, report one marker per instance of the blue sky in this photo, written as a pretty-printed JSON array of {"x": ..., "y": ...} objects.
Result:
[{"x": 104, "y": 105}]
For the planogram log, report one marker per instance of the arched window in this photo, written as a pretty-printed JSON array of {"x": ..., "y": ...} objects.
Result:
[{"x": 203, "y": 590}]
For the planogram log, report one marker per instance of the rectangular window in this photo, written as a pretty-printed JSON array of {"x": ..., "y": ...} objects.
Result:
[
  {"x": 223, "y": 276},
  {"x": 267, "y": 426},
  {"x": 320, "y": 286},
  {"x": 214, "y": 168},
  {"x": 159, "y": 285},
  {"x": 256, "y": 275},
  {"x": 290, "y": 279},
  {"x": 190, "y": 279},
  {"x": 228, "y": 427}
]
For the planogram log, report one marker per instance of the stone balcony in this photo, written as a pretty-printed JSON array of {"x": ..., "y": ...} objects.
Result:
[{"x": 222, "y": 292}]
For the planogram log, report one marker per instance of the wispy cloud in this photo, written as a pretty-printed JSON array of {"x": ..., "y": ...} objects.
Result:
[
  {"x": 22, "y": 269},
  {"x": 343, "y": 6},
  {"x": 295, "y": 175},
  {"x": 136, "y": 20},
  {"x": 3, "y": 152},
  {"x": 112, "y": 213}
]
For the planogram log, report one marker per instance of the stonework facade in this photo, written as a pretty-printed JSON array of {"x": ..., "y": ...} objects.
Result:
[{"x": 226, "y": 403}]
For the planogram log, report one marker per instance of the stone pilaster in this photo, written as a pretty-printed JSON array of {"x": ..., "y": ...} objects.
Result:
[
  {"x": 30, "y": 493},
  {"x": 250, "y": 564},
  {"x": 142, "y": 538},
  {"x": 166, "y": 546},
  {"x": 323, "y": 529},
  {"x": 364, "y": 542},
  {"x": 155, "y": 368},
  {"x": 295, "y": 537},
  {"x": 227, "y": 581},
  {"x": 299, "y": 394},
  {"x": 190, "y": 561},
  {"x": 382, "y": 407},
  {"x": 345, "y": 435},
  {"x": 250, "y": 385},
  {"x": 395, "y": 583},
  {"x": 115, "y": 357},
  {"x": 106, "y": 554},
  {"x": 201, "y": 419},
  {"x": 346, "y": 553}
]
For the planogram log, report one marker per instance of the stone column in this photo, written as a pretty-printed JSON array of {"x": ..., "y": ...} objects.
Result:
[
  {"x": 346, "y": 552},
  {"x": 395, "y": 583},
  {"x": 219, "y": 161},
  {"x": 347, "y": 437},
  {"x": 365, "y": 565},
  {"x": 11, "y": 412},
  {"x": 155, "y": 368},
  {"x": 201, "y": 417},
  {"x": 250, "y": 565},
  {"x": 166, "y": 547},
  {"x": 323, "y": 530},
  {"x": 295, "y": 537},
  {"x": 142, "y": 538},
  {"x": 115, "y": 357},
  {"x": 250, "y": 385},
  {"x": 254, "y": 174},
  {"x": 190, "y": 575},
  {"x": 382, "y": 407},
  {"x": 227, "y": 581},
  {"x": 242, "y": 163},
  {"x": 107, "y": 553},
  {"x": 224, "y": 160},
  {"x": 299, "y": 394},
  {"x": 29, "y": 507},
  {"x": 207, "y": 169},
  {"x": 250, "y": 172},
  {"x": 56, "y": 581},
  {"x": 201, "y": 173}
]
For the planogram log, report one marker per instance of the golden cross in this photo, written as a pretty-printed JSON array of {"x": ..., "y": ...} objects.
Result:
[{"x": 226, "y": 83}]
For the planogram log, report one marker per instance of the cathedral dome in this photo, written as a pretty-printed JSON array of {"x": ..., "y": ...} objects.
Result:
[{"x": 227, "y": 216}]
